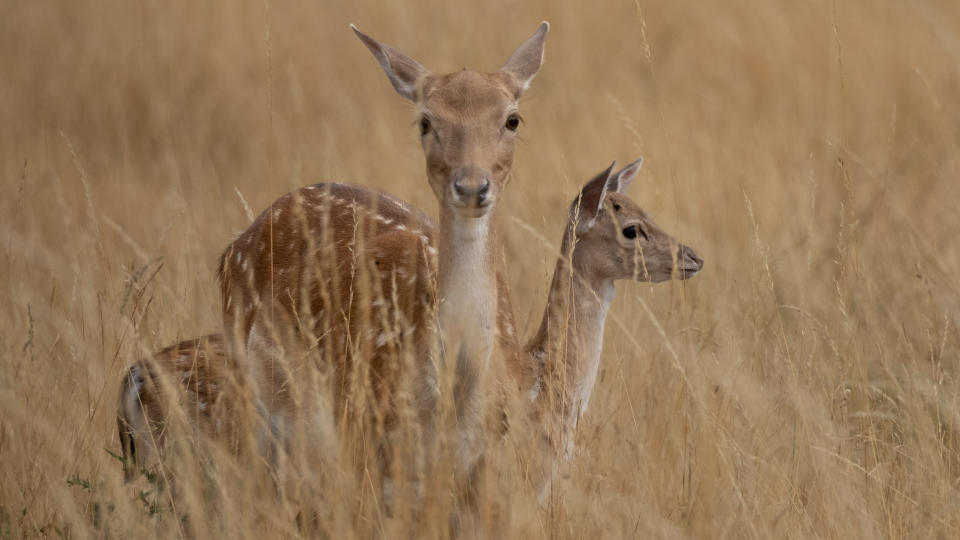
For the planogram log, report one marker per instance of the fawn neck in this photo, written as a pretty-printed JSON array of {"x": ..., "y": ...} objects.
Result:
[{"x": 565, "y": 352}]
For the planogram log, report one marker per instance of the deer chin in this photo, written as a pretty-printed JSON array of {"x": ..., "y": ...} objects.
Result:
[
  {"x": 683, "y": 272},
  {"x": 471, "y": 210},
  {"x": 659, "y": 277},
  {"x": 679, "y": 273}
]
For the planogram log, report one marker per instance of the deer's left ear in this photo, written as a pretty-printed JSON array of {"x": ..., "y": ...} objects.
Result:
[
  {"x": 626, "y": 176},
  {"x": 527, "y": 59},
  {"x": 592, "y": 196}
]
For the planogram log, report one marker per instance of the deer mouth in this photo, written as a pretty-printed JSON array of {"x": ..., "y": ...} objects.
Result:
[{"x": 472, "y": 209}]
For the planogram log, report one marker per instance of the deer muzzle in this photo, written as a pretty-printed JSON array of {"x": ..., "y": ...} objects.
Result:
[
  {"x": 471, "y": 189},
  {"x": 688, "y": 262}
]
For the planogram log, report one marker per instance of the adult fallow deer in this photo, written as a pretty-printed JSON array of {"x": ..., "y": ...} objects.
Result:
[{"x": 343, "y": 274}]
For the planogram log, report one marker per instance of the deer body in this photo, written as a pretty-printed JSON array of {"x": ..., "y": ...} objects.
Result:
[
  {"x": 299, "y": 278},
  {"x": 193, "y": 375},
  {"x": 608, "y": 237},
  {"x": 318, "y": 269}
]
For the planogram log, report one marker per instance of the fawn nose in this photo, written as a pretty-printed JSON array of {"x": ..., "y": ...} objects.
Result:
[
  {"x": 471, "y": 187},
  {"x": 688, "y": 260}
]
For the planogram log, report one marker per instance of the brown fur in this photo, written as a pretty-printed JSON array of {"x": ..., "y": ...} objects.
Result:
[{"x": 195, "y": 374}]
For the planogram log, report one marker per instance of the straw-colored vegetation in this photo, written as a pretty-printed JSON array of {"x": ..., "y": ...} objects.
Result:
[{"x": 805, "y": 384}]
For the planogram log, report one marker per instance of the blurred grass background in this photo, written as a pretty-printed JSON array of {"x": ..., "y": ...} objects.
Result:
[{"x": 804, "y": 385}]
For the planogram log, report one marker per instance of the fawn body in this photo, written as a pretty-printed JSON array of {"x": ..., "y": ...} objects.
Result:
[
  {"x": 608, "y": 237},
  {"x": 196, "y": 375}
]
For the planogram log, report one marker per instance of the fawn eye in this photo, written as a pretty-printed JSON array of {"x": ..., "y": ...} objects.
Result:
[
  {"x": 513, "y": 122},
  {"x": 633, "y": 231},
  {"x": 424, "y": 125}
]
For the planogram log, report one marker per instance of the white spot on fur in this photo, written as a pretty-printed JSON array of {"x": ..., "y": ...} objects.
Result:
[{"x": 535, "y": 390}]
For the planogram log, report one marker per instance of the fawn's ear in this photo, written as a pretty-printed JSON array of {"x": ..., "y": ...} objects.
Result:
[
  {"x": 626, "y": 176},
  {"x": 403, "y": 71},
  {"x": 592, "y": 196},
  {"x": 527, "y": 59}
]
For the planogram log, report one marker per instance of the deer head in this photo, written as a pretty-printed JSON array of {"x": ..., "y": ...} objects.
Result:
[
  {"x": 468, "y": 121},
  {"x": 616, "y": 239}
]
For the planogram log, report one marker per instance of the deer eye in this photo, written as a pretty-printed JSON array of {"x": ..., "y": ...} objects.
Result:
[
  {"x": 633, "y": 231},
  {"x": 513, "y": 122},
  {"x": 424, "y": 125}
]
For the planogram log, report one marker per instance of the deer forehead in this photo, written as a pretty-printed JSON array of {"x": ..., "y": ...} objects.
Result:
[
  {"x": 622, "y": 209},
  {"x": 467, "y": 95}
]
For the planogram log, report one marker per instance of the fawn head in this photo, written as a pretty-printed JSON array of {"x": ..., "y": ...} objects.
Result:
[
  {"x": 468, "y": 121},
  {"x": 616, "y": 239}
]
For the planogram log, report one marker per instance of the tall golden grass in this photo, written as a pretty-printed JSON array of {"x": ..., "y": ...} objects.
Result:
[{"x": 804, "y": 385}]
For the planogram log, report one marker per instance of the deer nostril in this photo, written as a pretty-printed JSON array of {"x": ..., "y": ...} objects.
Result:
[
  {"x": 688, "y": 256},
  {"x": 458, "y": 187},
  {"x": 697, "y": 261},
  {"x": 484, "y": 190}
]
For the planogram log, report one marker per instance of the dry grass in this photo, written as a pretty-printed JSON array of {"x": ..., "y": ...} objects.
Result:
[{"x": 805, "y": 384}]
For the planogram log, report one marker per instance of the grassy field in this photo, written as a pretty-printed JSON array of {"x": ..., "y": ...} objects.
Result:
[{"x": 805, "y": 384}]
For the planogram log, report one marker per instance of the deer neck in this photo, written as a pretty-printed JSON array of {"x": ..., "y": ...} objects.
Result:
[
  {"x": 565, "y": 352},
  {"x": 467, "y": 289}
]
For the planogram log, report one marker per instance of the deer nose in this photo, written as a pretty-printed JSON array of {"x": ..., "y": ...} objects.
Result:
[
  {"x": 471, "y": 184},
  {"x": 689, "y": 260}
]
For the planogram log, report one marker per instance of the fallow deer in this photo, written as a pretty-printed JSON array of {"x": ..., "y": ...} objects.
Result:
[
  {"x": 334, "y": 268},
  {"x": 608, "y": 238},
  {"x": 195, "y": 375}
]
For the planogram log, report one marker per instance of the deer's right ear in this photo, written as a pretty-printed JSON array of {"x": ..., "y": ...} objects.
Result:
[
  {"x": 592, "y": 196},
  {"x": 403, "y": 71},
  {"x": 527, "y": 59}
]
